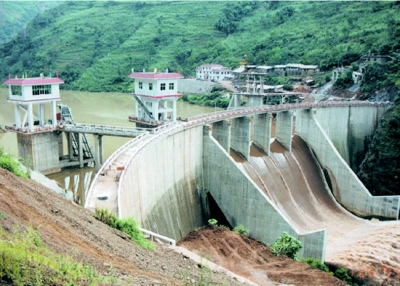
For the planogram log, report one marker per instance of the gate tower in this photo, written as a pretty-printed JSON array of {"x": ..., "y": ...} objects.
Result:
[{"x": 156, "y": 95}]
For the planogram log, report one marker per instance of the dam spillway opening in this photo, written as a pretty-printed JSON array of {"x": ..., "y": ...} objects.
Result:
[{"x": 216, "y": 212}]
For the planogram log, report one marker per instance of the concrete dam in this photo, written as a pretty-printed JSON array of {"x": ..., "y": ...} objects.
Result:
[{"x": 297, "y": 178}]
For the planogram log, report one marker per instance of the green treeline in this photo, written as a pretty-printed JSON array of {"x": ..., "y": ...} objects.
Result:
[{"x": 95, "y": 45}]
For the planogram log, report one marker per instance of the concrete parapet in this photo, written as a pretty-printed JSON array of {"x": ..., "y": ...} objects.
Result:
[
  {"x": 262, "y": 131},
  {"x": 243, "y": 203},
  {"x": 284, "y": 128},
  {"x": 221, "y": 130},
  {"x": 162, "y": 185},
  {"x": 241, "y": 135},
  {"x": 346, "y": 186}
]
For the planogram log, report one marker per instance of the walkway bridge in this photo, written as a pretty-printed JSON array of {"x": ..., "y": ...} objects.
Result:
[
  {"x": 163, "y": 179},
  {"x": 44, "y": 143}
]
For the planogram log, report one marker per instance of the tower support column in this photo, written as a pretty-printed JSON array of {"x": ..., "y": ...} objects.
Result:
[
  {"x": 30, "y": 117},
  {"x": 17, "y": 114}
]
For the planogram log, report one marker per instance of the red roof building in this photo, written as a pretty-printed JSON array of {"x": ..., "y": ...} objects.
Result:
[
  {"x": 27, "y": 93},
  {"x": 156, "y": 95}
]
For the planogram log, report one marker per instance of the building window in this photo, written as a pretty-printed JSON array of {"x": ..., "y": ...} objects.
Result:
[
  {"x": 150, "y": 86},
  {"x": 141, "y": 85},
  {"x": 16, "y": 90},
  {"x": 41, "y": 89},
  {"x": 162, "y": 86},
  {"x": 171, "y": 86}
]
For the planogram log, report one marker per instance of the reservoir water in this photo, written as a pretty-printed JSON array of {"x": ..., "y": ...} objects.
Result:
[{"x": 109, "y": 108}]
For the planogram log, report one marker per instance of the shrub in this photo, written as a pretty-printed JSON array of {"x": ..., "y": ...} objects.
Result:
[
  {"x": 286, "y": 245},
  {"x": 315, "y": 263},
  {"x": 128, "y": 226},
  {"x": 288, "y": 87},
  {"x": 345, "y": 80},
  {"x": 342, "y": 274},
  {"x": 212, "y": 221},
  {"x": 241, "y": 229}
]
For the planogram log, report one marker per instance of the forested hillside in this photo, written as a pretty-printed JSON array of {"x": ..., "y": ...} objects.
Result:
[
  {"x": 15, "y": 15},
  {"x": 94, "y": 45}
]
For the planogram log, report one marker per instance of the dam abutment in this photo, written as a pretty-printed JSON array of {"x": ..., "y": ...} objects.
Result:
[{"x": 350, "y": 191}]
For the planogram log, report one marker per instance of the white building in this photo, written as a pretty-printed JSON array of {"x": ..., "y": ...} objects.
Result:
[
  {"x": 30, "y": 93},
  {"x": 214, "y": 72},
  {"x": 156, "y": 94}
]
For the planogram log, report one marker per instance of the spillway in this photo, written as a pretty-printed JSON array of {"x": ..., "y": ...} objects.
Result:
[{"x": 295, "y": 183}]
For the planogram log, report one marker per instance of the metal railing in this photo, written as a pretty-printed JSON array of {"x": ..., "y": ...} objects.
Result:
[{"x": 241, "y": 111}]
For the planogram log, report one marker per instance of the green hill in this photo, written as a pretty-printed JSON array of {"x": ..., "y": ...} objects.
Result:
[
  {"x": 16, "y": 15},
  {"x": 94, "y": 45}
]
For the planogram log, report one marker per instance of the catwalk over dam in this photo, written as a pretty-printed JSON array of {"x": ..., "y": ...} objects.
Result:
[{"x": 301, "y": 184}]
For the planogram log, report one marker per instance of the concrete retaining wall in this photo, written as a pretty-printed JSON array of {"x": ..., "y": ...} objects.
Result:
[
  {"x": 350, "y": 129},
  {"x": 243, "y": 203},
  {"x": 194, "y": 86},
  {"x": 347, "y": 188},
  {"x": 162, "y": 187}
]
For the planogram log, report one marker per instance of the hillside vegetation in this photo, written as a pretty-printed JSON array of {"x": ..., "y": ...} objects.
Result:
[
  {"x": 380, "y": 170},
  {"x": 94, "y": 45},
  {"x": 15, "y": 15}
]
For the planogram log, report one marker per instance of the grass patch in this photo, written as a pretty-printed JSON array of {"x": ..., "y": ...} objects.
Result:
[
  {"x": 241, "y": 229},
  {"x": 339, "y": 273},
  {"x": 128, "y": 226},
  {"x": 9, "y": 163},
  {"x": 25, "y": 261}
]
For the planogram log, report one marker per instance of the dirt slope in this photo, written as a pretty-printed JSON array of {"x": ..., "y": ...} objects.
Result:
[
  {"x": 252, "y": 259},
  {"x": 68, "y": 228}
]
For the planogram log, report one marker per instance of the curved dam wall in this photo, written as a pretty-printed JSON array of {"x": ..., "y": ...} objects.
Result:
[
  {"x": 166, "y": 184},
  {"x": 162, "y": 187},
  {"x": 351, "y": 129}
]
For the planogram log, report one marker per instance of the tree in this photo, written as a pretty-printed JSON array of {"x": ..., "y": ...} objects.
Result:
[
  {"x": 373, "y": 77},
  {"x": 286, "y": 245}
]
